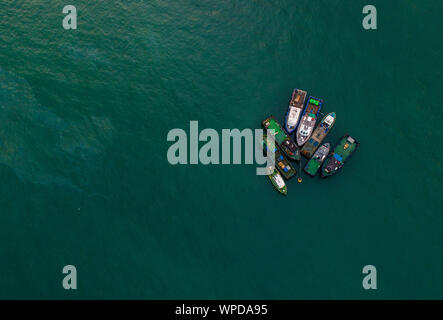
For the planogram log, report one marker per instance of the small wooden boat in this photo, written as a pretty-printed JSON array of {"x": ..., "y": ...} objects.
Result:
[{"x": 319, "y": 135}]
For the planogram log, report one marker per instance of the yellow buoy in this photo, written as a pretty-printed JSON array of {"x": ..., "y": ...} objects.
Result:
[{"x": 299, "y": 179}]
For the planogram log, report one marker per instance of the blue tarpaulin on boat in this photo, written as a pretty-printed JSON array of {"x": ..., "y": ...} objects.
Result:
[{"x": 338, "y": 157}]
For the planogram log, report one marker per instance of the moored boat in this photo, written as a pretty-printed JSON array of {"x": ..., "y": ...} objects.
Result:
[
  {"x": 278, "y": 182},
  {"x": 295, "y": 110},
  {"x": 319, "y": 134},
  {"x": 291, "y": 150},
  {"x": 317, "y": 159},
  {"x": 337, "y": 158},
  {"x": 308, "y": 120},
  {"x": 281, "y": 163},
  {"x": 282, "y": 138}
]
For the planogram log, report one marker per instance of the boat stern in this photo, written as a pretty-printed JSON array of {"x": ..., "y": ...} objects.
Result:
[{"x": 284, "y": 191}]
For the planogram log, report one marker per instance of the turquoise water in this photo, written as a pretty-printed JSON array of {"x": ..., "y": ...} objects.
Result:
[{"x": 85, "y": 180}]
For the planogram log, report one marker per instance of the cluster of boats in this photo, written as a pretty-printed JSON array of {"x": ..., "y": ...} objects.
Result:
[{"x": 300, "y": 121}]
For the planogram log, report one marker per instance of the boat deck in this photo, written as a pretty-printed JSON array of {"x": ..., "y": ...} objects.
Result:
[
  {"x": 345, "y": 153},
  {"x": 281, "y": 162},
  {"x": 298, "y": 98},
  {"x": 318, "y": 136},
  {"x": 312, "y": 167},
  {"x": 280, "y": 134}
]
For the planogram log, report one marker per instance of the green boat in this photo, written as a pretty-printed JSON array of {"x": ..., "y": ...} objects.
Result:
[
  {"x": 316, "y": 161},
  {"x": 281, "y": 162},
  {"x": 278, "y": 182},
  {"x": 318, "y": 135},
  {"x": 282, "y": 138},
  {"x": 338, "y": 157}
]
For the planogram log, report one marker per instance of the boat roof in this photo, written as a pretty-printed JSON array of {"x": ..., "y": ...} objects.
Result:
[
  {"x": 298, "y": 96},
  {"x": 329, "y": 119},
  {"x": 279, "y": 180},
  {"x": 351, "y": 140}
]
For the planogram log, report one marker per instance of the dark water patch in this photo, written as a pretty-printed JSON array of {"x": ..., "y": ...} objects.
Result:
[{"x": 42, "y": 147}]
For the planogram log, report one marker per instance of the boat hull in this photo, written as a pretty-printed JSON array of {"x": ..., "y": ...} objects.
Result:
[
  {"x": 282, "y": 138},
  {"x": 319, "y": 134},
  {"x": 338, "y": 157},
  {"x": 282, "y": 189},
  {"x": 295, "y": 110},
  {"x": 281, "y": 162},
  {"x": 308, "y": 120},
  {"x": 291, "y": 149},
  {"x": 315, "y": 163}
]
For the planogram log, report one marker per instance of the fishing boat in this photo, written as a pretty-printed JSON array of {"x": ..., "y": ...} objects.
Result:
[
  {"x": 316, "y": 161},
  {"x": 307, "y": 122},
  {"x": 278, "y": 182},
  {"x": 281, "y": 162},
  {"x": 337, "y": 158},
  {"x": 282, "y": 138},
  {"x": 319, "y": 134},
  {"x": 295, "y": 110},
  {"x": 291, "y": 150}
]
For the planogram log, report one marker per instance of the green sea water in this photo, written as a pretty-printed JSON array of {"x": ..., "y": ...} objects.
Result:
[{"x": 84, "y": 177}]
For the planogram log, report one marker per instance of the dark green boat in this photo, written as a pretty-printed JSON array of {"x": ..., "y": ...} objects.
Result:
[
  {"x": 282, "y": 138},
  {"x": 278, "y": 182},
  {"x": 316, "y": 161},
  {"x": 337, "y": 158},
  {"x": 281, "y": 163}
]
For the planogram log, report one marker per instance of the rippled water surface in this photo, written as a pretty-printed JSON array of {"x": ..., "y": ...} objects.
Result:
[{"x": 84, "y": 177}]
